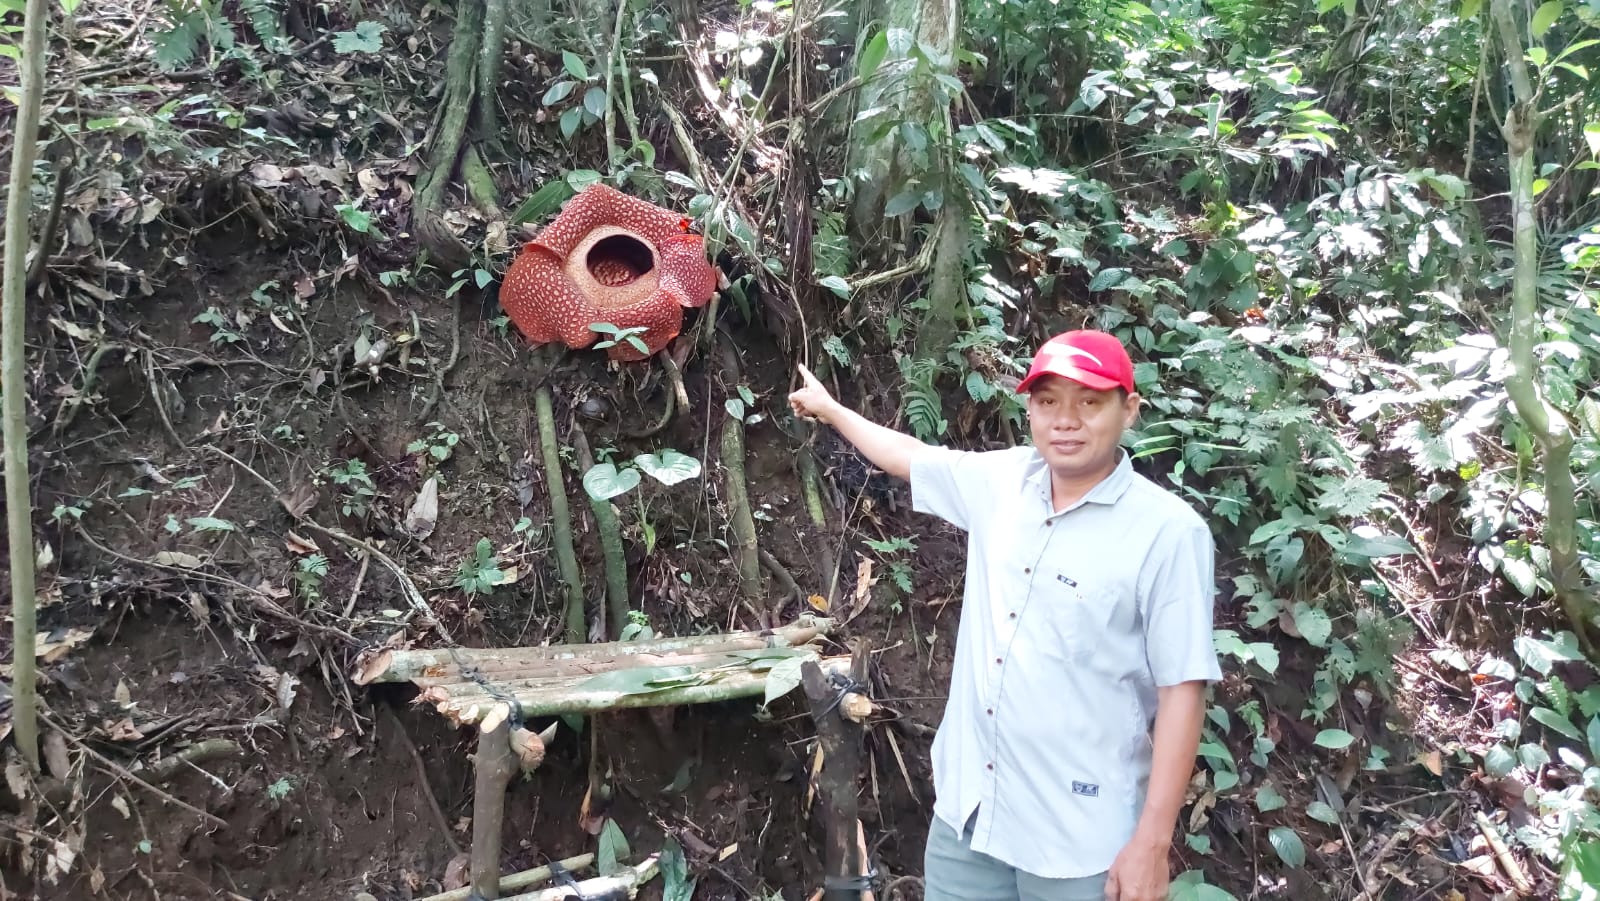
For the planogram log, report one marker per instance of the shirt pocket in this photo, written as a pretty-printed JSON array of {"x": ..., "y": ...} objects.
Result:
[{"x": 1080, "y": 614}]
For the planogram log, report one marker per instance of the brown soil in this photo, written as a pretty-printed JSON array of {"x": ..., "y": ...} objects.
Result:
[{"x": 329, "y": 796}]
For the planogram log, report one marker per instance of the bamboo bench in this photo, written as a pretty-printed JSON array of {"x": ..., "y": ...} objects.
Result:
[{"x": 497, "y": 690}]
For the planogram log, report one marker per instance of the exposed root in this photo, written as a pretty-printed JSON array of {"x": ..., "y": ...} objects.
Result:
[
  {"x": 610, "y": 530},
  {"x": 560, "y": 516}
]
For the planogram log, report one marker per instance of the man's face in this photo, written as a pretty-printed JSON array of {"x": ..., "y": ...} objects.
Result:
[{"x": 1077, "y": 429}]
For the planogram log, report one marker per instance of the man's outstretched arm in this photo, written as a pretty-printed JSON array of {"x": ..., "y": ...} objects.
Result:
[{"x": 889, "y": 450}]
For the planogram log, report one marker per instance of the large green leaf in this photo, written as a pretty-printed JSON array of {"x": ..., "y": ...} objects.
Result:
[
  {"x": 642, "y": 680},
  {"x": 604, "y": 481},
  {"x": 1335, "y": 739},
  {"x": 1287, "y": 843},
  {"x": 1544, "y": 17},
  {"x": 669, "y": 467},
  {"x": 613, "y": 853},
  {"x": 872, "y": 55},
  {"x": 1556, "y": 722},
  {"x": 783, "y": 678},
  {"x": 1192, "y": 886},
  {"x": 677, "y": 883}
]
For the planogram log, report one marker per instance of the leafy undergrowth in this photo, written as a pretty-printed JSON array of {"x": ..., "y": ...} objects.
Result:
[{"x": 237, "y": 340}]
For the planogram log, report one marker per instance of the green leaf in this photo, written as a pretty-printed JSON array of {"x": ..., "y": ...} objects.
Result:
[
  {"x": 784, "y": 677},
  {"x": 1322, "y": 812},
  {"x": 670, "y": 467},
  {"x": 367, "y": 38},
  {"x": 358, "y": 220},
  {"x": 1377, "y": 546},
  {"x": 570, "y": 120},
  {"x": 1469, "y": 9},
  {"x": 558, "y": 92},
  {"x": 676, "y": 882},
  {"x": 1540, "y": 655},
  {"x": 903, "y": 203},
  {"x": 614, "y": 851},
  {"x": 1334, "y": 739},
  {"x": 1581, "y": 873},
  {"x": 578, "y": 179},
  {"x": 543, "y": 202},
  {"x": 1313, "y": 624},
  {"x": 837, "y": 285},
  {"x": 1521, "y": 575},
  {"x": 1268, "y": 799},
  {"x": 1498, "y": 761},
  {"x": 1287, "y": 843},
  {"x": 11, "y": 50},
  {"x": 1556, "y": 722},
  {"x": 642, "y": 680},
  {"x": 1192, "y": 886},
  {"x": 604, "y": 481},
  {"x": 1591, "y": 136},
  {"x": 594, "y": 101},
  {"x": 1108, "y": 278},
  {"x": 1544, "y": 17},
  {"x": 872, "y": 55},
  {"x": 211, "y": 524},
  {"x": 574, "y": 65},
  {"x": 1593, "y": 736}
]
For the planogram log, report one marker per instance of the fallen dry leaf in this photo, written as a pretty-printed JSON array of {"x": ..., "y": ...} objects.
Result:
[
  {"x": 818, "y": 603},
  {"x": 124, "y": 730},
  {"x": 56, "y": 757},
  {"x": 121, "y": 694},
  {"x": 455, "y": 872},
  {"x": 299, "y": 544},
  {"x": 424, "y": 512},
  {"x": 1434, "y": 761},
  {"x": 52, "y": 646},
  {"x": 178, "y": 558}
]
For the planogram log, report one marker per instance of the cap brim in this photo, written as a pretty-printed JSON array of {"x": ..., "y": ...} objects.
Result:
[{"x": 1091, "y": 380}]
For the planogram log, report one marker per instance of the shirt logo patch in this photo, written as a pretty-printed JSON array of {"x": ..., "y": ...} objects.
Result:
[
  {"x": 1062, "y": 578},
  {"x": 1088, "y": 790}
]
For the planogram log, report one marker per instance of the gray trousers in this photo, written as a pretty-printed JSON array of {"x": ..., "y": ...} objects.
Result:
[{"x": 952, "y": 871}]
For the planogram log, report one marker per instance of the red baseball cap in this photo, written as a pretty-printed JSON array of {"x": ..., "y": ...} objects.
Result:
[{"x": 1090, "y": 358}]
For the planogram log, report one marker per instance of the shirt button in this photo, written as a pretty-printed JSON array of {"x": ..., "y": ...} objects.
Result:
[
  {"x": 998, "y": 660},
  {"x": 991, "y": 766},
  {"x": 1013, "y": 616},
  {"x": 991, "y": 711},
  {"x": 1026, "y": 570}
]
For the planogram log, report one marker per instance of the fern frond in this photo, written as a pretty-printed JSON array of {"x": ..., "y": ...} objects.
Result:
[
  {"x": 178, "y": 46},
  {"x": 266, "y": 20}
]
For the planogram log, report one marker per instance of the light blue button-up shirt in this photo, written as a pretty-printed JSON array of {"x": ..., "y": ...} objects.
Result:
[{"x": 1069, "y": 623}]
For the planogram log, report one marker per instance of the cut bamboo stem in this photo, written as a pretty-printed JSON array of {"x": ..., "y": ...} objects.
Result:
[
  {"x": 556, "y": 700},
  {"x": 568, "y": 670},
  {"x": 518, "y": 881},
  {"x": 624, "y": 884},
  {"x": 408, "y": 666},
  {"x": 495, "y": 764}
]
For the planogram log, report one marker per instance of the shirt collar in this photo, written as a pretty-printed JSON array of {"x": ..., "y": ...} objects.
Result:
[{"x": 1107, "y": 491}]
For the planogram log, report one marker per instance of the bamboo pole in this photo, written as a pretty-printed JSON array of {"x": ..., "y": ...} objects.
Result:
[
  {"x": 14, "y": 389},
  {"x": 470, "y": 705},
  {"x": 624, "y": 884},
  {"x": 517, "y": 881},
  {"x": 408, "y": 666},
  {"x": 839, "y": 737},
  {"x": 556, "y": 671}
]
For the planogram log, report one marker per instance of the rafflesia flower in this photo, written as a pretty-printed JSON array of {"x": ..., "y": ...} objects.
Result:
[{"x": 608, "y": 258}]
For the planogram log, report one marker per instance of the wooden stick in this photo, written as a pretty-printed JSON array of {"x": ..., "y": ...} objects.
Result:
[
  {"x": 840, "y": 744},
  {"x": 1519, "y": 879},
  {"x": 495, "y": 765},
  {"x": 563, "y": 670},
  {"x": 407, "y": 666},
  {"x": 522, "y": 880},
  {"x": 119, "y": 770}
]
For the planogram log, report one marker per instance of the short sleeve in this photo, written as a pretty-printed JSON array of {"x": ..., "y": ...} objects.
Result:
[
  {"x": 941, "y": 483},
  {"x": 1177, "y": 585}
]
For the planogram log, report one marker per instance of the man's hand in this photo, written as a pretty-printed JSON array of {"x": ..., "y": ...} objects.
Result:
[
  {"x": 811, "y": 399},
  {"x": 1140, "y": 872}
]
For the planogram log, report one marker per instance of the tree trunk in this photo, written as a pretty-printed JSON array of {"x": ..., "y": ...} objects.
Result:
[
  {"x": 14, "y": 389},
  {"x": 1546, "y": 424},
  {"x": 560, "y": 517},
  {"x": 936, "y": 26}
]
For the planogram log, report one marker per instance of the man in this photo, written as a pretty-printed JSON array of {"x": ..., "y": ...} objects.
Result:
[{"x": 1084, "y": 646}]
